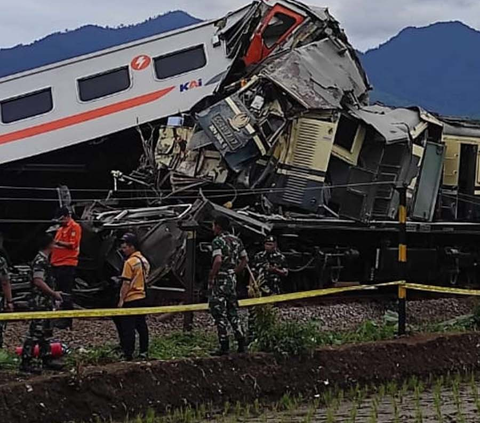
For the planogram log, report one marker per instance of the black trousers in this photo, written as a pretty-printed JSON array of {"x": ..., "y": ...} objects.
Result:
[
  {"x": 65, "y": 281},
  {"x": 128, "y": 325}
]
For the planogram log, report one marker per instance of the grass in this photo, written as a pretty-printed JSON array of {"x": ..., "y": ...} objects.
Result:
[
  {"x": 177, "y": 345},
  {"x": 411, "y": 402},
  {"x": 7, "y": 361},
  {"x": 298, "y": 338},
  {"x": 183, "y": 345}
]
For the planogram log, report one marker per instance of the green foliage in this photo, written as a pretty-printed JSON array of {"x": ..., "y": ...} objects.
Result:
[
  {"x": 368, "y": 331},
  {"x": 290, "y": 338},
  {"x": 295, "y": 338},
  {"x": 182, "y": 345},
  {"x": 7, "y": 360},
  {"x": 176, "y": 345},
  {"x": 283, "y": 338},
  {"x": 93, "y": 356}
]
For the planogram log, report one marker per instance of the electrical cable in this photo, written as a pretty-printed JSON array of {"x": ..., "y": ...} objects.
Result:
[{"x": 228, "y": 193}]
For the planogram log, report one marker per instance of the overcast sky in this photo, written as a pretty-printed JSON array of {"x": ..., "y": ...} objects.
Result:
[{"x": 367, "y": 22}]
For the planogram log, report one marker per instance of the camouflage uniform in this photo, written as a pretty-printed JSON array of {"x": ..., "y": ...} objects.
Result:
[
  {"x": 267, "y": 283},
  {"x": 39, "y": 330},
  {"x": 223, "y": 301},
  {"x": 3, "y": 274}
]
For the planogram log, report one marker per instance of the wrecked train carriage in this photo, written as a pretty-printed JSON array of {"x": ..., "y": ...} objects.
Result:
[
  {"x": 342, "y": 163},
  {"x": 290, "y": 141},
  {"x": 164, "y": 233},
  {"x": 297, "y": 138},
  {"x": 71, "y": 122}
]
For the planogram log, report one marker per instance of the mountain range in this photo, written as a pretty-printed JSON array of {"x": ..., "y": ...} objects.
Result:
[
  {"x": 435, "y": 66},
  {"x": 87, "y": 39}
]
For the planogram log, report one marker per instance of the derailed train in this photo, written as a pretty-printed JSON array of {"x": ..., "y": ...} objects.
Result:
[{"x": 287, "y": 143}]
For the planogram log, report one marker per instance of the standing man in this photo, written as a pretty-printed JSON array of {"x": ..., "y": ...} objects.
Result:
[
  {"x": 268, "y": 271},
  {"x": 41, "y": 299},
  {"x": 64, "y": 260},
  {"x": 132, "y": 295},
  {"x": 270, "y": 268},
  {"x": 7, "y": 303},
  {"x": 229, "y": 259}
]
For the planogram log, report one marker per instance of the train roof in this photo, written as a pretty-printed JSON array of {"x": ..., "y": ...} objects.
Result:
[
  {"x": 125, "y": 45},
  {"x": 461, "y": 127}
]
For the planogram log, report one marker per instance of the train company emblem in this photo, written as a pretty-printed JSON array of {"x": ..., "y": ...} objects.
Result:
[
  {"x": 196, "y": 83},
  {"x": 141, "y": 62}
]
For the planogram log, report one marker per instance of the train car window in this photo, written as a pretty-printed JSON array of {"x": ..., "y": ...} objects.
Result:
[
  {"x": 26, "y": 106},
  {"x": 277, "y": 27},
  {"x": 346, "y": 132},
  {"x": 180, "y": 62},
  {"x": 104, "y": 84}
]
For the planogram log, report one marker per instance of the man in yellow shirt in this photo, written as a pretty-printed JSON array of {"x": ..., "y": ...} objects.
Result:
[{"x": 132, "y": 295}]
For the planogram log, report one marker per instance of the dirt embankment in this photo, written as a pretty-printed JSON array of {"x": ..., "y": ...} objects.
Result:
[{"x": 116, "y": 391}]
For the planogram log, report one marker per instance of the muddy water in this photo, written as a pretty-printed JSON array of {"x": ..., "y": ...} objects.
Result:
[{"x": 441, "y": 405}]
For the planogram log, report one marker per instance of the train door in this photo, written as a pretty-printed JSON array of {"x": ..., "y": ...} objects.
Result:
[
  {"x": 277, "y": 26},
  {"x": 467, "y": 180}
]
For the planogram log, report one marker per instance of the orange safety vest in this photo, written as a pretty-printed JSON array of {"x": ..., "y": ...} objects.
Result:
[{"x": 62, "y": 256}]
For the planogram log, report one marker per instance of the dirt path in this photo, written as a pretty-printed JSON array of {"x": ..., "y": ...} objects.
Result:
[{"x": 126, "y": 389}]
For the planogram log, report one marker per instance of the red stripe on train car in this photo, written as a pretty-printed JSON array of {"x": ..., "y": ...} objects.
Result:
[{"x": 84, "y": 117}]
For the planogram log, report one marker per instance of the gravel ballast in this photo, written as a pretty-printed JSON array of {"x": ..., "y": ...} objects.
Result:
[{"x": 343, "y": 316}]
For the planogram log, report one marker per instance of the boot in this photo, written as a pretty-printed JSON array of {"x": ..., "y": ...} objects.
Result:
[
  {"x": 224, "y": 349},
  {"x": 51, "y": 364},
  {"x": 143, "y": 356},
  {"x": 242, "y": 347},
  {"x": 26, "y": 366}
]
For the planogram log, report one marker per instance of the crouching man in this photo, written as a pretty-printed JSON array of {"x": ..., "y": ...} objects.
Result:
[{"x": 41, "y": 299}]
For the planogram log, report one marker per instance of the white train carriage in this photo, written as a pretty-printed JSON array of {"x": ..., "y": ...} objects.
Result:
[{"x": 95, "y": 95}]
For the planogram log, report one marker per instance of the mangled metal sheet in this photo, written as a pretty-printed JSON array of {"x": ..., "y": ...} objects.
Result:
[
  {"x": 235, "y": 29},
  {"x": 320, "y": 76},
  {"x": 394, "y": 125}
]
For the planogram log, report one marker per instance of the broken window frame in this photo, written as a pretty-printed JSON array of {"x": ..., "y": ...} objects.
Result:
[
  {"x": 350, "y": 156},
  {"x": 289, "y": 22},
  {"x": 258, "y": 50}
]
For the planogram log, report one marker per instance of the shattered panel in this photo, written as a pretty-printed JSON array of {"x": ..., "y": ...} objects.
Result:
[
  {"x": 319, "y": 76},
  {"x": 230, "y": 126},
  {"x": 428, "y": 183},
  {"x": 394, "y": 125}
]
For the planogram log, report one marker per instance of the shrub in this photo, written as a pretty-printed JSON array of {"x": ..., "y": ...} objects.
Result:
[{"x": 283, "y": 338}]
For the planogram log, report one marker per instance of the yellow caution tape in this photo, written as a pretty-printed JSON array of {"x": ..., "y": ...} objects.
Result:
[
  {"x": 311, "y": 294},
  {"x": 442, "y": 290},
  {"x": 115, "y": 312}
]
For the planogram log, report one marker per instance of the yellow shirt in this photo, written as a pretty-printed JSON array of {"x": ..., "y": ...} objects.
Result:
[{"x": 135, "y": 272}]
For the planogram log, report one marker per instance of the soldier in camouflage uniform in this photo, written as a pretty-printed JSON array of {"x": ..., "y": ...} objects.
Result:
[
  {"x": 41, "y": 299},
  {"x": 268, "y": 270},
  {"x": 6, "y": 302},
  {"x": 229, "y": 259}
]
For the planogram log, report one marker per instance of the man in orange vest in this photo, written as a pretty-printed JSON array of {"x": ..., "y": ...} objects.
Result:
[
  {"x": 132, "y": 295},
  {"x": 64, "y": 260}
]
